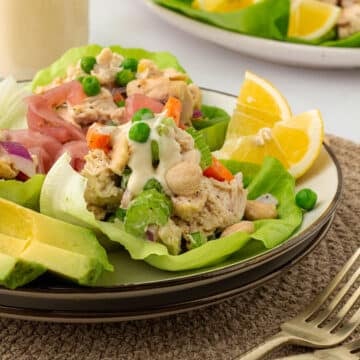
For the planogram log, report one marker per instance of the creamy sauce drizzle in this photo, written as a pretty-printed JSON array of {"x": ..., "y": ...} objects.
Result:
[{"x": 141, "y": 161}]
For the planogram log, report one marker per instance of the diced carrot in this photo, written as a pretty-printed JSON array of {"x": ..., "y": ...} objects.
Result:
[
  {"x": 218, "y": 171},
  {"x": 173, "y": 107},
  {"x": 96, "y": 139}
]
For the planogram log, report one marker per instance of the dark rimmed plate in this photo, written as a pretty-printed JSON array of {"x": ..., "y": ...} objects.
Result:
[
  {"x": 137, "y": 290},
  {"x": 179, "y": 301}
]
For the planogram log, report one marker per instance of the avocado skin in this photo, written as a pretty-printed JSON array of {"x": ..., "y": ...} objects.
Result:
[{"x": 15, "y": 272}]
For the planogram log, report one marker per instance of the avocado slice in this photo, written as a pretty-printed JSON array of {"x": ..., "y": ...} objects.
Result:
[
  {"x": 65, "y": 249},
  {"x": 79, "y": 268},
  {"x": 15, "y": 272}
]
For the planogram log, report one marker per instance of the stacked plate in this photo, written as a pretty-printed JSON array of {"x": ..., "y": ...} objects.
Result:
[{"x": 136, "y": 290}]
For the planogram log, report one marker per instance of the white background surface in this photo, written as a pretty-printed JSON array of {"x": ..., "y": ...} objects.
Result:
[{"x": 336, "y": 93}]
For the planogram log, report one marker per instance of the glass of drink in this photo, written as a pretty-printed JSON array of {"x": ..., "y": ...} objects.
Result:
[{"x": 34, "y": 33}]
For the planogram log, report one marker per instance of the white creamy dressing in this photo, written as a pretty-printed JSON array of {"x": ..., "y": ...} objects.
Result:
[{"x": 141, "y": 161}]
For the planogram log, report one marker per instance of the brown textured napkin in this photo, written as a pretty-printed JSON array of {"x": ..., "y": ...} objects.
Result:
[{"x": 219, "y": 331}]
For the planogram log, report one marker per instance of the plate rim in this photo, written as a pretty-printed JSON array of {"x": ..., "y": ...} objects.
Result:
[
  {"x": 76, "y": 317},
  {"x": 180, "y": 20},
  {"x": 101, "y": 291}
]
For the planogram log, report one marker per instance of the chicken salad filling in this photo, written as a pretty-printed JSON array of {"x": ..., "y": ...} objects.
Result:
[{"x": 156, "y": 186}]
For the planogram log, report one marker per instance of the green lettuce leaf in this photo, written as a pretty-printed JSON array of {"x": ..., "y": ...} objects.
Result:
[
  {"x": 274, "y": 179},
  {"x": 23, "y": 193},
  {"x": 149, "y": 207},
  {"x": 248, "y": 170},
  {"x": 62, "y": 197},
  {"x": 330, "y": 40},
  {"x": 213, "y": 126},
  {"x": 58, "y": 68},
  {"x": 268, "y": 18},
  {"x": 352, "y": 41},
  {"x": 12, "y": 104},
  {"x": 211, "y": 116}
]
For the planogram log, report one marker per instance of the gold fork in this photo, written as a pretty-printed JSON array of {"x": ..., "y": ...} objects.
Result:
[
  {"x": 309, "y": 328},
  {"x": 349, "y": 351}
]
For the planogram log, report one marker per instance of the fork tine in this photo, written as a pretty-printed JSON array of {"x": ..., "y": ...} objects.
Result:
[
  {"x": 344, "y": 310},
  {"x": 337, "y": 299},
  {"x": 330, "y": 288},
  {"x": 354, "y": 345},
  {"x": 349, "y": 326}
]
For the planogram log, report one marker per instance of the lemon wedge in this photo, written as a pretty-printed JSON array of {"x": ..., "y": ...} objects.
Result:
[
  {"x": 259, "y": 105},
  {"x": 262, "y": 125},
  {"x": 222, "y": 6},
  {"x": 312, "y": 19}
]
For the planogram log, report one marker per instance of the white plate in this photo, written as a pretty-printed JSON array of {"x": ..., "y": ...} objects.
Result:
[{"x": 272, "y": 50}]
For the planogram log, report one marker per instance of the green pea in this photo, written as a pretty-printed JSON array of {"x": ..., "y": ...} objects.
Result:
[
  {"x": 153, "y": 184},
  {"x": 142, "y": 114},
  {"x": 139, "y": 132},
  {"x": 306, "y": 199},
  {"x": 121, "y": 103},
  {"x": 123, "y": 77},
  {"x": 87, "y": 63},
  {"x": 91, "y": 85},
  {"x": 130, "y": 64}
]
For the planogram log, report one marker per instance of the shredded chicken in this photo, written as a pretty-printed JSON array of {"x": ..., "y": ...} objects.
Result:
[
  {"x": 107, "y": 66},
  {"x": 170, "y": 235},
  {"x": 101, "y": 194},
  {"x": 349, "y": 21},
  {"x": 184, "y": 139},
  {"x": 100, "y": 108},
  {"x": 160, "y": 84},
  {"x": 216, "y": 205},
  {"x": 156, "y": 88}
]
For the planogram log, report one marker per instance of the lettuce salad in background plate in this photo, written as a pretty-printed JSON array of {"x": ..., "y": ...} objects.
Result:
[{"x": 266, "y": 19}]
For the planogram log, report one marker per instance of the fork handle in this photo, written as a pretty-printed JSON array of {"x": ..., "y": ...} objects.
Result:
[{"x": 271, "y": 343}]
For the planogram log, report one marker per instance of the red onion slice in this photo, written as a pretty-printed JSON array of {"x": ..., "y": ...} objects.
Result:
[
  {"x": 26, "y": 166},
  {"x": 14, "y": 148},
  {"x": 19, "y": 157}
]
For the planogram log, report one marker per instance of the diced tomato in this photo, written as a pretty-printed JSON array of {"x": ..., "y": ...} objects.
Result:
[{"x": 218, "y": 171}]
